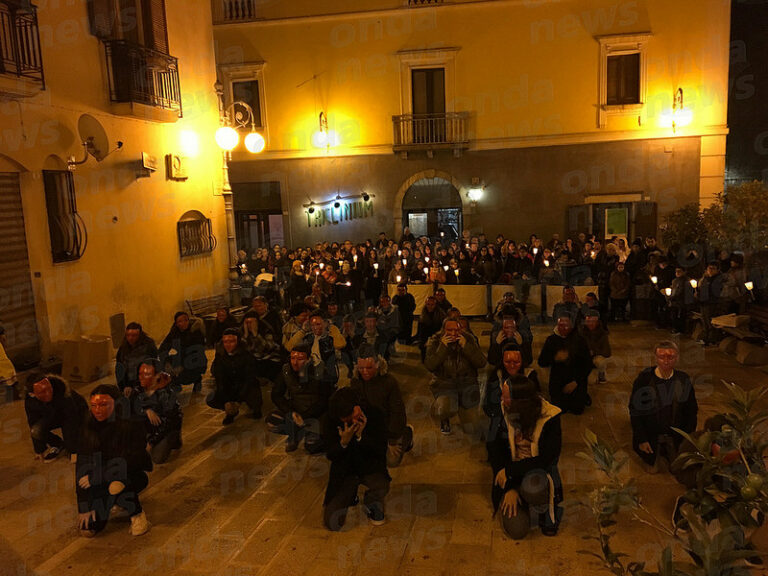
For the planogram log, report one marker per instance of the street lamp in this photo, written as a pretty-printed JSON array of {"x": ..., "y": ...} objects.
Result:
[{"x": 237, "y": 115}]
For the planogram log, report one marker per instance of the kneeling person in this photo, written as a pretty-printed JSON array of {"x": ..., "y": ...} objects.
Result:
[
  {"x": 378, "y": 389},
  {"x": 159, "y": 404},
  {"x": 112, "y": 466},
  {"x": 300, "y": 395},
  {"x": 234, "y": 370}
]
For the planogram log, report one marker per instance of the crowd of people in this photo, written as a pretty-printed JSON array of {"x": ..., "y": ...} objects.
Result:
[{"x": 329, "y": 313}]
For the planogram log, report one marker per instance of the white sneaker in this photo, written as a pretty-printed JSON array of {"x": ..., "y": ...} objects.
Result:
[{"x": 139, "y": 524}]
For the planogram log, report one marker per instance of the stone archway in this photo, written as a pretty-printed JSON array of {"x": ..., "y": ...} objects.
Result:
[{"x": 397, "y": 206}]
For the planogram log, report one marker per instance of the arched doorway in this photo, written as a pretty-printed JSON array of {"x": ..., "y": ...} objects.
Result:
[{"x": 432, "y": 207}]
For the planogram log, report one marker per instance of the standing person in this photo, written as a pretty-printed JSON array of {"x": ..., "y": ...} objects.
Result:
[
  {"x": 357, "y": 448},
  {"x": 112, "y": 466},
  {"x": 406, "y": 305},
  {"x": 454, "y": 359},
  {"x": 567, "y": 355},
  {"x": 681, "y": 300},
  {"x": 184, "y": 349},
  {"x": 711, "y": 302},
  {"x": 159, "y": 402},
  {"x": 300, "y": 396},
  {"x": 378, "y": 389},
  {"x": 662, "y": 398},
  {"x": 620, "y": 285},
  {"x": 234, "y": 371},
  {"x": 51, "y": 404},
  {"x": 298, "y": 286},
  {"x": 137, "y": 346},
  {"x": 524, "y": 444}
]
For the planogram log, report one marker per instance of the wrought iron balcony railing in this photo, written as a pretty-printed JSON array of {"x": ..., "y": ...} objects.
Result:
[
  {"x": 20, "y": 42},
  {"x": 430, "y": 131},
  {"x": 229, "y": 11},
  {"x": 142, "y": 75}
]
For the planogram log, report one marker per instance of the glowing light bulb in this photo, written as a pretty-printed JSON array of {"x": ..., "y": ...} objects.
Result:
[
  {"x": 227, "y": 138},
  {"x": 255, "y": 143}
]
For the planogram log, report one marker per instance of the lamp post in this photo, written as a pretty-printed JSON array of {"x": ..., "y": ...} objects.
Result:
[{"x": 236, "y": 115}]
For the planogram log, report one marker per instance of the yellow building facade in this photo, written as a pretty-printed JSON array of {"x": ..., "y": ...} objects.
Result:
[
  {"x": 98, "y": 229},
  {"x": 551, "y": 112}
]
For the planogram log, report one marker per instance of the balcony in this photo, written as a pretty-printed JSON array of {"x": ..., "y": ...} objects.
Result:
[
  {"x": 234, "y": 11},
  {"x": 21, "y": 64},
  {"x": 429, "y": 132},
  {"x": 144, "y": 77}
]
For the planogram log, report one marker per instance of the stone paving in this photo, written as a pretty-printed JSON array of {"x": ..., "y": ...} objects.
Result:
[{"x": 232, "y": 503}]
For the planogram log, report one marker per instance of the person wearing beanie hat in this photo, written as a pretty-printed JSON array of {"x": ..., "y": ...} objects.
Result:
[
  {"x": 112, "y": 465},
  {"x": 356, "y": 443},
  {"x": 49, "y": 404},
  {"x": 524, "y": 444}
]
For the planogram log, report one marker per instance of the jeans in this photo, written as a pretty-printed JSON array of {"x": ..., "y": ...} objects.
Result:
[
  {"x": 42, "y": 437},
  {"x": 101, "y": 501},
  {"x": 335, "y": 511},
  {"x": 280, "y": 423}
]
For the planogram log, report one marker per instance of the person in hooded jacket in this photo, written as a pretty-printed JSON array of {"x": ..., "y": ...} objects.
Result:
[
  {"x": 300, "y": 395},
  {"x": 112, "y": 465},
  {"x": 137, "y": 346},
  {"x": 379, "y": 389},
  {"x": 236, "y": 377},
  {"x": 159, "y": 404},
  {"x": 184, "y": 349},
  {"x": 51, "y": 404},
  {"x": 567, "y": 355},
  {"x": 524, "y": 444}
]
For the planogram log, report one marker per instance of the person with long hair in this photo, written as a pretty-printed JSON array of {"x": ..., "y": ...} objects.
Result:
[{"x": 524, "y": 444}]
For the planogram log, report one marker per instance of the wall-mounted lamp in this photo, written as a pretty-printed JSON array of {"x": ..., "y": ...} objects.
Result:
[
  {"x": 324, "y": 138},
  {"x": 475, "y": 193},
  {"x": 680, "y": 116}
]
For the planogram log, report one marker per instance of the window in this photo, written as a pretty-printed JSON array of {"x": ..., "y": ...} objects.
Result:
[
  {"x": 622, "y": 75},
  {"x": 427, "y": 80},
  {"x": 66, "y": 227},
  {"x": 623, "y": 80},
  {"x": 245, "y": 83},
  {"x": 140, "y": 22},
  {"x": 428, "y": 90},
  {"x": 248, "y": 91}
]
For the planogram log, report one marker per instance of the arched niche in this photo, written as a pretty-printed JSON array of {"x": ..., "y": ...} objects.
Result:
[
  {"x": 8, "y": 164},
  {"x": 54, "y": 162}
]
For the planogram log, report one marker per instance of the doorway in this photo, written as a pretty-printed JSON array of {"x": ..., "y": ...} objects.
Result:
[
  {"x": 258, "y": 215},
  {"x": 432, "y": 207}
]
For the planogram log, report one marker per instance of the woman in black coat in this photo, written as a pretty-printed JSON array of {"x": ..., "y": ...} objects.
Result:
[
  {"x": 524, "y": 444},
  {"x": 184, "y": 349}
]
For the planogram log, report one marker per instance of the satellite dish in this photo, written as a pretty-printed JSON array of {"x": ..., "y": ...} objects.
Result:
[{"x": 92, "y": 132}]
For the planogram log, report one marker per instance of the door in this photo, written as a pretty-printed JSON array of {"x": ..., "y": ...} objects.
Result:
[
  {"x": 259, "y": 230},
  {"x": 428, "y": 105},
  {"x": 17, "y": 302},
  {"x": 611, "y": 219}
]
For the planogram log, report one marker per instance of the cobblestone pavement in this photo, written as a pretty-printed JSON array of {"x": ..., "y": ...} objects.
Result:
[{"x": 233, "y": 503}]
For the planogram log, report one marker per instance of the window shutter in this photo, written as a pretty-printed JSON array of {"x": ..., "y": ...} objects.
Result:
[
  {"x": 101, "y": 14},
  {"x": 155, "y": 26}
]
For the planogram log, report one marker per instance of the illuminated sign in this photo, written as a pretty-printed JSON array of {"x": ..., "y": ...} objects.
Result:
[{"x": 345, "y": 212}]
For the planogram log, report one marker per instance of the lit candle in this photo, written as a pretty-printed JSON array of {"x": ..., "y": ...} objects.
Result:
[
  {"x": 694, "y": 284},
  {"x": 426, "y": 258},
  {"x": 302, "y": 266},
  {"x": 446, "y": 268},
  {"x": 340, "y": 263},
  {"x": 349, "y": 283},
  {"x": 405, "y": 262},
  {"x": 456, "y": 272},
  {"x": 546, "y": 263},
  {"x": 592, "y": 254},
  {"x": 654, "y": 279},
  {"x": 398, "y": 278},
  {"x": 426, "y": 270},
  {"x": 317, "y": 272},
  {"x": 442, "y": 234},
  {"x": 668, "y": 291},
  {"x": 399, "y": 252},
  {"x": 535, "y": 251},
  {"x": 321, "y": 265},
  {"x": 375, "y": 265},
  {"x": 749, "y": 286},
  {"x": 355, "y": 258}
]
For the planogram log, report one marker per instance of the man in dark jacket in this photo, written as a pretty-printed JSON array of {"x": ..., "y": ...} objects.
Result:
[
  {"x": 356, "y": 444},
  {"x": 136, "y": 347},
  {"x": 406, "y": 305},
  {"x": 567, "y": 355},
  {"x": 662, "y": 398},
  {"x": 300, "y": 395},
  {"x": 454, "y": 358},
  {"x": 267, "y": 316},
  {"x": 112, "y": 466},
  {"x": 709, "y": 295},
  {"x": 596, "y": 336},
  {"x": 184, "y": 349},
  {"x": 234, "y": 370},
  {"x": 51, "y": 404},
  {"x": 378, "y": 389},
  {"x": 159, "y": 406}
]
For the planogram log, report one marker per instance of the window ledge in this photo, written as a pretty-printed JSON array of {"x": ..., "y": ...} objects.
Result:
[
  {"x": 145, "y": 112},
  {"x": 622, "y": 108}
]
